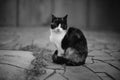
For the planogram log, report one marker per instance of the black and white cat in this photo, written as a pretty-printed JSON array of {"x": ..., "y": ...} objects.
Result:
[{"x": 71, "y": 43}]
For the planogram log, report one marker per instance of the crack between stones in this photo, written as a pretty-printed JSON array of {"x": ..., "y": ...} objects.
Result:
[
  {"x": 107, "y": 63},
  {"x": 53, "y": 68},
  {"x": 53, "y": 73},
  {"x": 109, "y": 53},
  {"x": 93, "y": 72},
  {"x": 64, "y": 76},
  {"x": 14, "y": 65},
  {"x": 107, "y": 75}
]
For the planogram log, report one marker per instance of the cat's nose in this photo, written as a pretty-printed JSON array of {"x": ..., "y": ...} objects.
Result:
[{"x": 58, "y": 30}]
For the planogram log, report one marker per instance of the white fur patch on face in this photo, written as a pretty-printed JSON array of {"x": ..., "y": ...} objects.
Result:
[
  {"x": 56, "y": 37},
  {"x": 58, "y": 29}
]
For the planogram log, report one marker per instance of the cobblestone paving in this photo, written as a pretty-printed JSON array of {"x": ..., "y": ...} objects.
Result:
[{"x": 103, "y": 61}]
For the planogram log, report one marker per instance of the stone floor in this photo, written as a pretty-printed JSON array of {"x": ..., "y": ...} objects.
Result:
[{"x": 103, "y": 61}]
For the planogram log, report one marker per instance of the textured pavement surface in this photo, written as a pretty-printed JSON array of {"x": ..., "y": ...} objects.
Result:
[{"x": 103, "y": 61}]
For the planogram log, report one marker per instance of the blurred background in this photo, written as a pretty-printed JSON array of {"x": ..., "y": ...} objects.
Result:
[{"x": 90, "y": 14}]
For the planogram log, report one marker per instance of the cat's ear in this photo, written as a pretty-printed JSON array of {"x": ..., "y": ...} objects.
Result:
[
  {"x": 65, "y": 17},
  {"x": 53, "y": 17}
]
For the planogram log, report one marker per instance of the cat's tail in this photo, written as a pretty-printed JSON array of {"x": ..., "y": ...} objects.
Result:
[
  {"x": 61, "y": 60},
  {"x": 74, "y": 63}
]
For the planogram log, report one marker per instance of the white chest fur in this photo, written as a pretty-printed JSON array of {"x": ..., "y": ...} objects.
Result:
[{"x": 56, "y": 38}]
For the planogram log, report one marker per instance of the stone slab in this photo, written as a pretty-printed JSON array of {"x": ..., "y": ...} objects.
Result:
[
  {"x": 103, "y": 67},
  {"x": 18, "y": 58},
  {"x": 115, "y": 63},
  {"x": 104, "y": 76},
  {"x": 47, "y": 74},
  {"x": 56, "y": 77},
  {"x": 8, "y": 72},
  {"x": 104, "y": 58},
  {"x": 98, "y": 53},
  {"x": 116, "y": 55},
  {"x": 14, "y": 63},
  {"x": 80, "y": 73}
]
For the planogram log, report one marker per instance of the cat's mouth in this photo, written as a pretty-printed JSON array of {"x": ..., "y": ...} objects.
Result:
[{"x": 57, "y": 31}]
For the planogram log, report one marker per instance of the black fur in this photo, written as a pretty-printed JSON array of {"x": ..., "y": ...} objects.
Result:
[{"x": 74, "y": 41}]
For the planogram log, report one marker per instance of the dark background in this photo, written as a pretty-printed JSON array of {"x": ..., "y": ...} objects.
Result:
[{"x": 90, "y": 14}]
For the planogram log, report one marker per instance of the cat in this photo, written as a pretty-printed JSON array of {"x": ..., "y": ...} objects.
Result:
[{"x": 70, "y": 42}]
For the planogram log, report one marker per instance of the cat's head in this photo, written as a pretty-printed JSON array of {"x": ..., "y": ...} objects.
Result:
[{"x": 59, "y": 24}]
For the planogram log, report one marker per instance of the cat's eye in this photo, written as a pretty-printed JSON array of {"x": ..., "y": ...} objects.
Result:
[
  {"x": 53, "y": 26},
  {"x": 64, "y": 26}
]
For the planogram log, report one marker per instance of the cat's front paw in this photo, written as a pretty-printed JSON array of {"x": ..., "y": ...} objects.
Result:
[
  {"x": 56, "y": 52},
  {"x": 61, "y": 54},
  {"x": 54, "y": 56}
]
